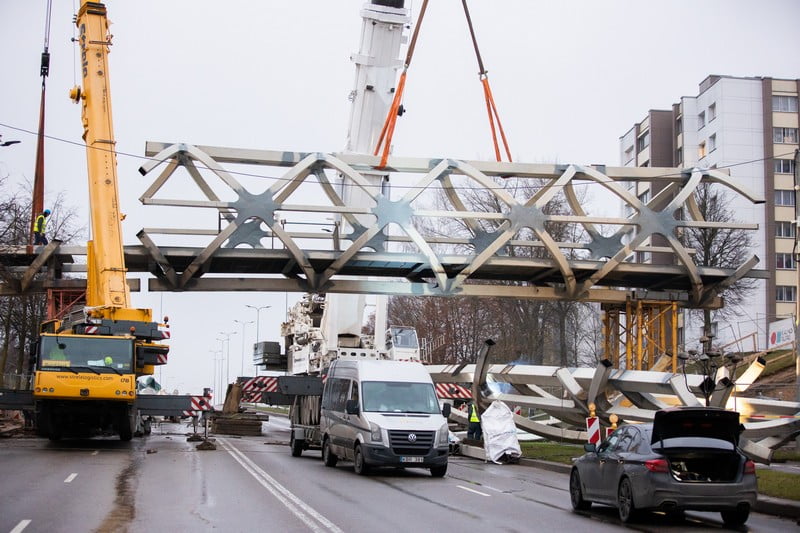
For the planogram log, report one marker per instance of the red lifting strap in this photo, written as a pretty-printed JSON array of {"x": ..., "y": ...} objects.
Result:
[
  {"x": 391, "y": 117},
  {"x": 491, "y": 107}
]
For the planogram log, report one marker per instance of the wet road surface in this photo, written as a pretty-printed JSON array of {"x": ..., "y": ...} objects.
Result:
[{"x": 162, "y": 483}]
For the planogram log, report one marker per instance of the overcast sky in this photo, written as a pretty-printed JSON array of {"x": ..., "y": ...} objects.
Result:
[{"x": 569, "y": 78}]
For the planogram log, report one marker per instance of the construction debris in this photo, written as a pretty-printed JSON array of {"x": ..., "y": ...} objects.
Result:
[{"x": 244, "y": 424}]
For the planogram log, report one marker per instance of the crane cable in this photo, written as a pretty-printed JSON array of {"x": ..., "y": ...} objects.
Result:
[
  {"x": 491, "y": 107},
  {"x": 394, "y": 110},
  {"x": 37, "y": 203}
]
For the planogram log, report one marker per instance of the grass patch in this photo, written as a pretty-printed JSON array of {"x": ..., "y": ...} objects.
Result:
[
  {"x": 551, "y": 451},
  {"x": 783, "y": 455},
  {"x": 778, "y": 363},
  {"x": 778, "y": 484}
]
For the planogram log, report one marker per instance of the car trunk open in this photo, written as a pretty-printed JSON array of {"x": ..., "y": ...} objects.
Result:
[
  {"x": 703, "y": 466},
  {"x": 699, "y": 443}
]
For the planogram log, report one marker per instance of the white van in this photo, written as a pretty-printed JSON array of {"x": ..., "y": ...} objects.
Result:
[{"x": 383, "y": 413}]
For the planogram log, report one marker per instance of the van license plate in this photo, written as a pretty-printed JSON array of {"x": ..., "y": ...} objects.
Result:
[{"x": 411, "y": 459}]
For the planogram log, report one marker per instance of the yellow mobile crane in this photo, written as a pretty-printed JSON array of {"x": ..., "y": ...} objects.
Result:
[{"x": 87, "y": 364}]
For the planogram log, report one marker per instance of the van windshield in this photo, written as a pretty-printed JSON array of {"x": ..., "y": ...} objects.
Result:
[{"x": 398, "y": 397}]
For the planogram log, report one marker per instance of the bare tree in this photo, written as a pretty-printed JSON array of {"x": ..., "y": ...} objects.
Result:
[
  {"x": 530, "y": 331},
  {"x": 720, "y": 247},
  {"x": 22, "y": 314}
]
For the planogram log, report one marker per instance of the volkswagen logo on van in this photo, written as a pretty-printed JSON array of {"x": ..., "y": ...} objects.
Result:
[{"x": 412, "y": 437}]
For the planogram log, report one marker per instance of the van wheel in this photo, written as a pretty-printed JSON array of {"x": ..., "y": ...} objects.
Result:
[
  {"x": 328, "y": 457},
  {"x": 296, "y": 445},
  {"x": 359, "y": 465},
  {"x": 439, "y": 471}
]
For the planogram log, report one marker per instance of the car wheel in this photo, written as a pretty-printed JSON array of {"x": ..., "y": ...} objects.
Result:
[
  {"x": 328, "y": 457},
  {"x": 359, "y": 465},
  {"x": 439, "y": 471},
  {"x": 735, "y": 517},
  {"x": 627, "y": 510},
  {"x": 575, "y": 492},
  {"x": 296, "y": 445}
]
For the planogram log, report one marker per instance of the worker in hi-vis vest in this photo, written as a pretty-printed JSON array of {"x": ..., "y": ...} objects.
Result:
[
  {"x": 39, "y": 226},
  {"x": 474, "y": 429}
]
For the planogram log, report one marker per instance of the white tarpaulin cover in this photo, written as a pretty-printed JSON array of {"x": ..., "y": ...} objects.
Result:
[{"x": 500, "y": 434}]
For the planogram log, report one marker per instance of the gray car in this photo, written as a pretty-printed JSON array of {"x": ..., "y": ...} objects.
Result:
[{"x": 687, "y": 459}]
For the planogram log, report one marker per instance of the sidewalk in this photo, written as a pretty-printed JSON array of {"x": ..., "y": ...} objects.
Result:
[{"x": 764, "y": 505}]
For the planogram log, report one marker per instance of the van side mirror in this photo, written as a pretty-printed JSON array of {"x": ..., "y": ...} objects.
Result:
[
  {"x": 351, "y": 407},
  {"x": 590, "y": 447},
  {"x": 446, "y": 410}
]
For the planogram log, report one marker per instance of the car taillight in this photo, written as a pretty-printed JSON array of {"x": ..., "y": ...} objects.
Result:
[
  {"x": 657, "y": 465},
  {"x": 749, "y": 467}
]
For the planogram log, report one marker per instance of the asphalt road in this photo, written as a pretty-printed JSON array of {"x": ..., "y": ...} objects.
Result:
[{"x": 161, "y": 483}]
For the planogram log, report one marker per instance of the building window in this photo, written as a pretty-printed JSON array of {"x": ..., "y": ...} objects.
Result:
[
  {"x": 784, "y": 229},
  {"x": 784, "y": 197},
  {"x": 678, "y": 126},
  {"x": 679, "y": 156},
  {"x": 784, "y": 261},
  {"x": 712, "y": 112},
  {"x": 786, "y": 104},
  {"x": 784, "y": 166},
  {"x": 784, "y": 135},
  {"x": 786, "y": 293},
  {"x": 629, "y": 155},
  {"x": 645, "y": 164},
  {"x": 645, "y": 197},
  {"x": 701, "y": 119},
  {"x": 701, "y": 150},
  {"x": 712, "y": 142},
  {"x": 644, "y": 257},
  {"x": 644, "y": 141}
]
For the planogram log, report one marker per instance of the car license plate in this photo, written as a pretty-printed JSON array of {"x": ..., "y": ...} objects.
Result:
[{"x": 411, "y": 459}]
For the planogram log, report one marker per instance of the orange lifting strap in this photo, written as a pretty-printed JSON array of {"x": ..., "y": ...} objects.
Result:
[
  {"x": 491, "y": 108},
  {"x": 391, "y": 118}
]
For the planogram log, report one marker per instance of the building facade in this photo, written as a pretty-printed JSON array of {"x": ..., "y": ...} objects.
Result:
[{"x": 750, "y": 127}]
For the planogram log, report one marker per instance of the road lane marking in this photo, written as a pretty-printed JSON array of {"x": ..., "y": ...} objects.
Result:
[
  {"x": 95, "y": 452},
  {"x": 71, "y": 477},
  {"x": 473, "y": 490},
  {"x": 300, "y": 509},
  {"x": 22, "y": 525}
]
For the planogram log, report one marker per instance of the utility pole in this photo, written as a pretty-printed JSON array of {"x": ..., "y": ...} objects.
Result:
[{"x": 796, "y": 256}]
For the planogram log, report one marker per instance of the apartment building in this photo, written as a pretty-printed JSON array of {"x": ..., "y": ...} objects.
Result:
[{"x": 749, "y": 126}]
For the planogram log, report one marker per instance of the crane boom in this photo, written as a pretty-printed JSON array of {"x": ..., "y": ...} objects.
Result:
[
  {"x": 87, "y": 365},
  {"x": 106, "y": 284}
]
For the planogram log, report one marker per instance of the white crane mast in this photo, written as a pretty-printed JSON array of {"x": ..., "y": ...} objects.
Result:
[{"x": 383, "y": 32}]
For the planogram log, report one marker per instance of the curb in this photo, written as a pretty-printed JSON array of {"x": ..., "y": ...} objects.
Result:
[
  {"x": 777, "y": 507},
  {"x": 764, "y": 505}
]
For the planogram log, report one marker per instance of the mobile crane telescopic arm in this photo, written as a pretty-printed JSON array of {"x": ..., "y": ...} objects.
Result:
[{"x": 106, "y": 283}]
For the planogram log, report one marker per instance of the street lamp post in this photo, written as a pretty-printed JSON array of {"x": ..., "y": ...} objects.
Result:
[
  {"x": 244, "y": 325},
  {"x": 258, "y": 321},
  {"x": 214, "y": 364},
  {"x": 228, "y": 355},
  {"x": 258, "y": 314}
]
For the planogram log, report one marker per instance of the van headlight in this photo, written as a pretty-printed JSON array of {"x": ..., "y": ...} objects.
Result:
[
  {"x": 375, "y": 432},
  {"x": 444, "y": 435}
]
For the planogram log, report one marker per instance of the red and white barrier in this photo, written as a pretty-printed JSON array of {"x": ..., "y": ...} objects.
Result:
[
  {"x": 451, "y": 391},
  {"x": 593, "y": 429}
]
